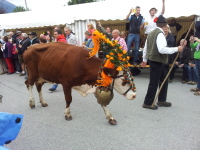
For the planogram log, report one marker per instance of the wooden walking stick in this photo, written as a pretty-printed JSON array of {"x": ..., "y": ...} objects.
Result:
[{"x": 170, "y": 69}]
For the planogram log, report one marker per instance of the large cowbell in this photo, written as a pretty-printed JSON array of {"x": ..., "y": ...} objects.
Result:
[{"x": 103, "y": 96}]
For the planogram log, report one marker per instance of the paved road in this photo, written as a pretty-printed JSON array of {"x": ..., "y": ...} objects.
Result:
[{"x": 175, "y": 128}]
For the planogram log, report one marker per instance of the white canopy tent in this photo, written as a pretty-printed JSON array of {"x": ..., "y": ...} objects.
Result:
[
  {"x": 108, "y": 12},
  {"x": 117, "y": 10}
]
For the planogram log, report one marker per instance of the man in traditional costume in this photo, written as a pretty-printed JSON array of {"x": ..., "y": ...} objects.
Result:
[{"x": 155, "y": 51}]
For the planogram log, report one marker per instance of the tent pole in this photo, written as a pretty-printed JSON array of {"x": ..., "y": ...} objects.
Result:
[{"x": 26, "y": 5}]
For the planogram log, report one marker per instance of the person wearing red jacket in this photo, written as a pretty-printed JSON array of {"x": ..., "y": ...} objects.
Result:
[{"x": 59, "y": 36}]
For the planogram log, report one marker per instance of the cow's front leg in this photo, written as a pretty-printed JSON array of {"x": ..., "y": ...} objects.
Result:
[
  {"x": 68, "y": 114},
  {"x": 68, "y": 98},
  {"x": 39, "y": 89},
  {"x": 32, "y": 100},
  {"x": 109, "y": 116}
]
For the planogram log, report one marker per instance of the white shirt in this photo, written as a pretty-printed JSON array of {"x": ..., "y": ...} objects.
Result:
[
  {"x": 151, "y": 24},
  {"x": 161, "y": 45},
  {"x": 71, "y": 39}
]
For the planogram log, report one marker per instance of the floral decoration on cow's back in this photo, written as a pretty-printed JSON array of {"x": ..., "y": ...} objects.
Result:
[{"x": 116, "y": 57}]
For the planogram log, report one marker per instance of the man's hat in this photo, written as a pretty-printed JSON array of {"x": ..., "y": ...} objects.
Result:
[
  {"x": 160, "y": 19},
  {"x": 32, "y": 33},
  {"x": 18, "y": 33},
  {"x": 152, "y": 9}
]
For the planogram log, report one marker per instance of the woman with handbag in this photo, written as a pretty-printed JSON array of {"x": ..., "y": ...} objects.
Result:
[{"x": 15, "y": 59}]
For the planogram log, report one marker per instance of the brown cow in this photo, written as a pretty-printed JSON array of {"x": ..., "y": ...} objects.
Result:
[{"x": 66, "y": 64}]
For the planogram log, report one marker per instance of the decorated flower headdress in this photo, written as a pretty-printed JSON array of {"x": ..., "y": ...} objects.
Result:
[{"x": 117, "y": 58}]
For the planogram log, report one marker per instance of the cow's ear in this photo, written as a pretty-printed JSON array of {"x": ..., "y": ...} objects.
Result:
[{"x": 110, "y": 72}]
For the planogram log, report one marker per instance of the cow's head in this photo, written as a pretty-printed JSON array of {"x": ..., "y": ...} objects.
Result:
[{"x": 120, "y": 84}]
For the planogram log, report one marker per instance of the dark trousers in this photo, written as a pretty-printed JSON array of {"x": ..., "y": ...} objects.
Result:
[
  {"x": 16, "y": 63},
  {"x": 157, "y": 75},
  {"x": 197, "y": 63},
  {"x": 185, "y": 72}
]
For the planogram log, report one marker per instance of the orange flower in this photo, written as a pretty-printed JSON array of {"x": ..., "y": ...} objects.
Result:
[
  {"x": 120, "y": 55},
  {"x": 119, "y": 68},
  {"x": 119, "y": 58},
  {"x": 124, "y": 51},
  {"x": 111, "y": 53},
  {"x": 107, "y": 56},
  {"x": 111, "y": 58},
  {"x": 108, "y": 64}
]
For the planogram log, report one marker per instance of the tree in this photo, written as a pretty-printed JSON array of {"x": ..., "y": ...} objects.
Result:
[
  {"x": 20, "y": 9},
  {"x": 74, "y": 2}
]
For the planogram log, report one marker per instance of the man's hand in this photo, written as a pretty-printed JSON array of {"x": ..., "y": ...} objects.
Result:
[
  {"x": 142, "y": 26},
  {"x": 83, "y": 46},
  {"x": 181, "y": 65},
  {"x": 129, "y": 14},
  {"x": 180, "y": 48},
  {"x": 131, "y": 10},
  {"x": 143, "y": 64},
  {"x": 176, "y": 63}
]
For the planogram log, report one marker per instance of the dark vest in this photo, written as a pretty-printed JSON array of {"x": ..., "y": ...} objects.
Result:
[
  {"x": 135, "y": 24},
  {"x": 35, "y": 40},
  {"x": 152, "y": 49}
]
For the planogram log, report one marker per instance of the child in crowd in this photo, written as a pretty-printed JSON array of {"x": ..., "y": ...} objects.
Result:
[
  {"x": 91, "y": 29},
  {"x": 86, "y": 40}
]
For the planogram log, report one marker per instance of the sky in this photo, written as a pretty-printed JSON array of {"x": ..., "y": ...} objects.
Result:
[{"x": 39, "y": 4}]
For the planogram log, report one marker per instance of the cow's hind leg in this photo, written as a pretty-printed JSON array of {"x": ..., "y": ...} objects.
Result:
[
  {"x": 109, "y": 116},
  {"x": 39, "y": 89},
  {"x": 32, "y": 100},
  {"x": 68, "y": 98}
]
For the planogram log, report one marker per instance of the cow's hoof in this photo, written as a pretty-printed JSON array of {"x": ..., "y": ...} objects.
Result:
[
  {"x": 112, "y": 121},
  {"x": 44, "y": 105},
  {"x": 68, "y": 118},
  {"x": 32, "y": 106}
]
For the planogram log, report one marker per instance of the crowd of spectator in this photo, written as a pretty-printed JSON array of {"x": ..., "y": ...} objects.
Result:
[{"x": 15, "y": 44}]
